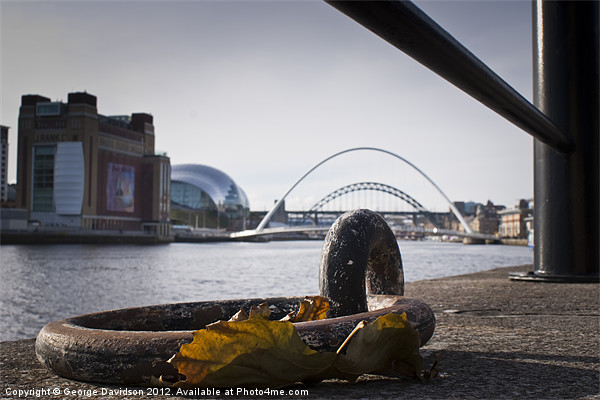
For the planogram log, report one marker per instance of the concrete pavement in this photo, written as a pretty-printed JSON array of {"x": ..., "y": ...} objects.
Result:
[{"x": 498, "y": 339}]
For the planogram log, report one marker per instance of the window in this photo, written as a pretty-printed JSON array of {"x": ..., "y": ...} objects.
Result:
[
  {"x": 190, "y": 196},
  {"x": 45, "y": 109},
  {"x": 25, "y": 124},
  {"x": 43, "y": 178}
]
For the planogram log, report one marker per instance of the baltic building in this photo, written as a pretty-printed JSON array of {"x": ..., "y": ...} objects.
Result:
[{"x": 80, "y": 169}]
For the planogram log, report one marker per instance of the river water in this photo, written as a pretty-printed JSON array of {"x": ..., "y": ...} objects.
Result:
[{"x": 44, "y": 283}]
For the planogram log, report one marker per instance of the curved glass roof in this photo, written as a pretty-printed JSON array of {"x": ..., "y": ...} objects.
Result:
[{"x": 218, "y": 185}]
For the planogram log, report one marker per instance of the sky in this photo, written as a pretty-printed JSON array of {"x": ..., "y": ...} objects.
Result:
[{"x": 264, "y": 90}]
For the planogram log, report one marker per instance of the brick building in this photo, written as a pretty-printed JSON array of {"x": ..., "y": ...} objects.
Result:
[
  {"x": 515, "y": 223},
  {"x": 79, "y": 169},
  {"x": 486, "y": 218}
]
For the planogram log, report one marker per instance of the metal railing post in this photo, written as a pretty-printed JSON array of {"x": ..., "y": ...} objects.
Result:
[{"x": 566, "y": 186}]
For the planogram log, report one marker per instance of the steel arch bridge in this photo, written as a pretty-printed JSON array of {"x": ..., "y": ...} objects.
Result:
[
  {"x": 364, "y": 186},
  {"x": 265, "y": 221}
]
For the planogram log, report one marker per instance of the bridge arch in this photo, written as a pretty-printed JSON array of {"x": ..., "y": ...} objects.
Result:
[
  {"x": 376, "y": 186},
  {"x": 457, "y": 213}
]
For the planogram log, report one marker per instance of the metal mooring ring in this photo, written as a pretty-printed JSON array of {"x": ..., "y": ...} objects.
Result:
[
  {"x": 132, "y": 345},
  {"x": 360, "y": 249}
]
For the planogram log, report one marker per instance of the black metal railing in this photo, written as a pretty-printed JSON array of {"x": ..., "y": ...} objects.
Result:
[{"x": 564, "y": 120}]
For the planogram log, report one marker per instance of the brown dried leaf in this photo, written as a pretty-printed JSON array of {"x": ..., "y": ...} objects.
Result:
[
  {"x": 311, "y": 309},
  {"x": 387, "y": 343}
]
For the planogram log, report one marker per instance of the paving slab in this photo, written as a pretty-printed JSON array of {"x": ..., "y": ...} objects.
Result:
[{"x": 496, "y": 338}]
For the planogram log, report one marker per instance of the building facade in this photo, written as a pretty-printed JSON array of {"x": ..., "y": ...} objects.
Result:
[
  {"x": 79, "y": 169},
  {"x": 486, "y": 218},
  {"x": 4, "y": 163},
  {"x": 516, "y": 222}
]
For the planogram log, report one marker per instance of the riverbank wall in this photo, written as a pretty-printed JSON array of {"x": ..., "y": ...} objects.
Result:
[
  {"x": 495, "y": 338},
  {"x": 136, "y": 237},
  {"x": 68, "y": 237}
]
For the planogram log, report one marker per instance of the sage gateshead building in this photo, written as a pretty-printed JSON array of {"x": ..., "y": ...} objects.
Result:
[
  {"x": 205, "y": 197},
  {"x": 79, "y": 169}
]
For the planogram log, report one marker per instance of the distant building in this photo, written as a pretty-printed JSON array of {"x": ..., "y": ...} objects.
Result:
[
  {"x": 79, "y": 169},
  {"x": 205, "y": 197},
  {"x": 486, "y": 218},
  {"x": 480, "y": 218},
  {"x": 516, "y": 222},
  {"x": 449, "y": 221},
  {"x": 4, "y": 163},
  {"x": 466, "y": 208}
]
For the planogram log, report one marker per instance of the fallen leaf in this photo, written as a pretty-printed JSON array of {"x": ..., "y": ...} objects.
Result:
[
  {"x": 262, "y": 310},
  {"x": 312, "y": 308},
  {"x": 239, "y": 316},
  {"x": 255, "y": 352},
  {"x": 434, "y": 371},
  {"x": 388, "y": 343}
]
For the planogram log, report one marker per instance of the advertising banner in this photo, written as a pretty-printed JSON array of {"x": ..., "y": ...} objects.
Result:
[{"x": 120, "y": 187}]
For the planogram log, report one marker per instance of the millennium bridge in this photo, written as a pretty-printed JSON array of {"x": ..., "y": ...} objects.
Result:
[{"x": 317, "y": 220}]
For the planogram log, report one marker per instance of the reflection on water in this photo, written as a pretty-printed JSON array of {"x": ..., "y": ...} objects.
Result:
[{"x": 45, "y": 283}]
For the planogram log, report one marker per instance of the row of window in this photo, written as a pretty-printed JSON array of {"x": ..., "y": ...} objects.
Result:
[
  {"x": 55, "y": 124},
  {"x": 27, "y": 124},
  {"x": 43, "y": 178},
  {"x": 510, "y": 230}
]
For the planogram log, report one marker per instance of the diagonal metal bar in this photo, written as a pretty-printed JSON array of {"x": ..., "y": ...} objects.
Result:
[{"x": 404, "y": 25}]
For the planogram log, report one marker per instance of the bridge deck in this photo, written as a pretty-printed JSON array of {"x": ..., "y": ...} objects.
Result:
[{"x": 312, "y": 229}]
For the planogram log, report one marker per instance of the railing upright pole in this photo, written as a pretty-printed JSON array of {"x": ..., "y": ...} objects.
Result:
[{"x": 566, "y": 186}]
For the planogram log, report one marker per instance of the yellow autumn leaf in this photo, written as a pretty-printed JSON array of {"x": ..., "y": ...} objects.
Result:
[
  {"x": 312, "y": 308},
  {"x": 255, "y": 352},
  {"x": 388, "y": 343},
  {"x": 261, "y": 310}
]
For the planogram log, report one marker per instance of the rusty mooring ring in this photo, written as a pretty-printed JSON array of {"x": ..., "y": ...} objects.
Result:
[{"x": 132, "y": 345}]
